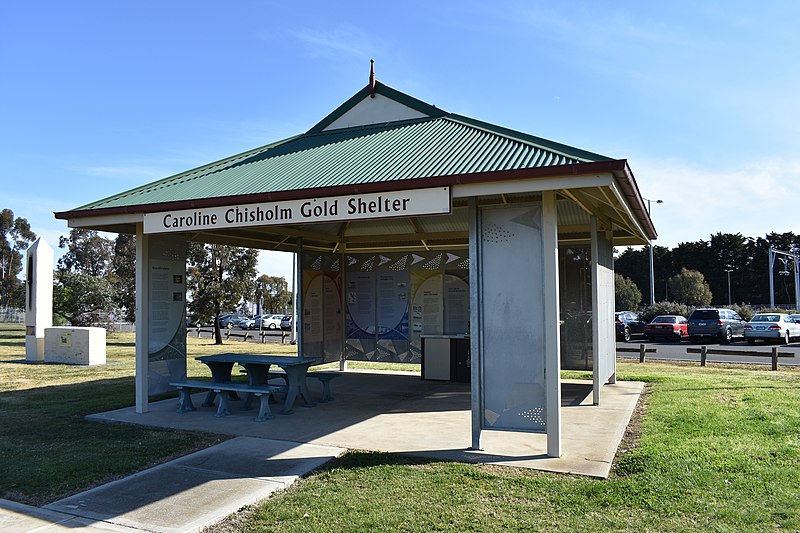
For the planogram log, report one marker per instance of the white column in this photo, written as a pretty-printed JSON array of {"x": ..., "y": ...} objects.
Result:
[
  {"x": 297, "y": 326},
  {"x": 142, "y": 319},
  {"x": 38, "y": 298},
  {"x": 475, "y": 329},
  {"x": 552, "y": 356},
  {"x": 595, "y": 308}
]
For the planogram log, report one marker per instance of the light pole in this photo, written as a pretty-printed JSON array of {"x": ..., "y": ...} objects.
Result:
[
  {"x": 794, "y": 257},
  {"x": 729, "y": 270},
  {"x": 650, "y": 243}
]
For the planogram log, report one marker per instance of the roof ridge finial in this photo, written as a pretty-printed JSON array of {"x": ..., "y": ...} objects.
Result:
[{"x": 372, "y": 78}]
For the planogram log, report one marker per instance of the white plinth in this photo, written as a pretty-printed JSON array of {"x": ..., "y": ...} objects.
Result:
[{"x": 75, "y": 346}]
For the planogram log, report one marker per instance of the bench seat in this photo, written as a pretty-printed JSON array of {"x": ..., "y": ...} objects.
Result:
[
  {"x": 324, "y": 377},
  {"x": 263, "y": 392}
]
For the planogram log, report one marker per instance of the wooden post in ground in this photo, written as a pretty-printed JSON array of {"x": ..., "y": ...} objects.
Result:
[
  {"x": 703, "y": 354},
  {"x": 641, "y": 353},
  {"x": 774, "y": 358}
]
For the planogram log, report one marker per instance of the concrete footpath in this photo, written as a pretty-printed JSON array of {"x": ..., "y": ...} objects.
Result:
[{"x": 183, "y": 495}]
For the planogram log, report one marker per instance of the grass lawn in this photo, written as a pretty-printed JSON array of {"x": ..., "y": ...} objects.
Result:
[{"x": 717, "y": 448}]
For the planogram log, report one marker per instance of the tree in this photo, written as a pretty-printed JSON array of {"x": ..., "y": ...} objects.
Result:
[
  {"x": 690, "y": 288},
  {"x": 220, "y": 277},
  {"x": 272, "y": 293},
  {"x": 123, "y": 275},
  {"x": 82, "y": 299},
  {"x": 83, "y": 292},
  {"x": 16, "y": 238},
  {"x": 87, "y": 252},
  {"x": 634, "y": 265},
  {"x": 627, "y": 294}
]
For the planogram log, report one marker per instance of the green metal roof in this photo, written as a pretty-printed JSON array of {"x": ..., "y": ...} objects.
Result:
[{"x": 441, "y": 144}]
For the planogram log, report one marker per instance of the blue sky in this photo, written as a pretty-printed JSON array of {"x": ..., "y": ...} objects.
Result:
[{"x": 701, "y": 97}]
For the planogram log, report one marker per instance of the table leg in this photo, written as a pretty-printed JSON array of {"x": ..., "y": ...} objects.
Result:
[
  {"x": 296, "y": 381},
  {"x": 256, "y": 375},
  {"x": 221, "y": 373}
]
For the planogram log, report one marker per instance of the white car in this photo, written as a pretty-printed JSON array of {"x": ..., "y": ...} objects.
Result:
[
  {"x": 267, "y": 322},
  {"x": 771, "y": 326}
]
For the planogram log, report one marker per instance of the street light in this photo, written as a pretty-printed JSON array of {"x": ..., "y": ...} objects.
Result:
[
  {"x": 729, "y": 270},
  {"x": 652, "y": 275},
  {"x": 794, "y": 257}
]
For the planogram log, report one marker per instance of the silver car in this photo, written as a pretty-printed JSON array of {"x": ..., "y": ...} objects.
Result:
[{"x": 778, "y": 327}]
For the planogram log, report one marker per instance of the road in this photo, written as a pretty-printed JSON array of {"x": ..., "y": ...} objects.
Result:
[
  {"x": 677, "y": 351},
  {"x": 665, "y": 351}
]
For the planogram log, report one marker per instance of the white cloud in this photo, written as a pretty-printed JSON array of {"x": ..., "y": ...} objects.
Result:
[{"x": 754, "y": 199}]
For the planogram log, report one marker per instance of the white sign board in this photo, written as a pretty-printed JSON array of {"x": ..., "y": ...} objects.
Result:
[{"x": 350, "y": 207}]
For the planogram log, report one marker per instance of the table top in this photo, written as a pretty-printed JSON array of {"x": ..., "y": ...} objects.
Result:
[{"x": 252, "y": 358}]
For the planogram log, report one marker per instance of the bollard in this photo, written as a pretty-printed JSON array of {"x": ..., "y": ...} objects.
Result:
[
  {"x": 774, "y": 358},
  {"x": 703, "y": 353},
  {"x": 641, "y": 353}
]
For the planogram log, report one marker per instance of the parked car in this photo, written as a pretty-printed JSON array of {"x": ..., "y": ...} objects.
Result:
[
  {"x": 265, "y": 322},
  {"x": 247, "y": 323},
  {"x": 230, "y": 320},
  {"x": 778, "y": 327},
  {"x": 721, "y": 324},
  {"x": 668, "y": 327},
  {"x": 627, "y": 324},
  {"x": 191, "y": 322},
  {"x": 271, "y": 321},
  {"x": 286, "y": 323}
]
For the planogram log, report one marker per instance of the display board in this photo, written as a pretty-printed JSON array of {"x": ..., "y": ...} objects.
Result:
[
  {"x": 321, "y": 314},
  {"x": 389, "y": 300},
  {"x": 166, "y": 312},
  {"x": 511, "y": 273}
]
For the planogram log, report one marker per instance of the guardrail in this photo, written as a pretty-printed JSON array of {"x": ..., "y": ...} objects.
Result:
[
  {"x": 245, "y": 334},
  {"x": 705, "y": 351}
]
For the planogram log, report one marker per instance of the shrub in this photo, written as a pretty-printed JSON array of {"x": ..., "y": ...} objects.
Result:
[
  {"x": 664, "y": 308},
  {"x": 744, "y": 311}
]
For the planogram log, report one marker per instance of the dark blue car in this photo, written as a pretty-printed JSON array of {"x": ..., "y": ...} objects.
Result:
[{"x": 627, "y": 323}]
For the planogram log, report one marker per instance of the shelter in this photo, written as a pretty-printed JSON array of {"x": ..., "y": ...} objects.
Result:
[{"x": 410, "y": 225}]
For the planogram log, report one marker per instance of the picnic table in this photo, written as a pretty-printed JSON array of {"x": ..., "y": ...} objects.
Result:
[{"x": 257, "y": 367}]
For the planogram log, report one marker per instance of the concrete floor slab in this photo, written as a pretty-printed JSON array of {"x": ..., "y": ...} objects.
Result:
[{"x": 400, "y": 413}]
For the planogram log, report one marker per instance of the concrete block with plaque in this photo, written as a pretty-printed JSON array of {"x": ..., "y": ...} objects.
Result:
[{"x": 75, "y": 345}]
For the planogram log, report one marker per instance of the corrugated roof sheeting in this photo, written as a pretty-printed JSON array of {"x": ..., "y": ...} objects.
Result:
[
  {"x": 382, "y": 153},
  {"x": 571, "y": 214}
]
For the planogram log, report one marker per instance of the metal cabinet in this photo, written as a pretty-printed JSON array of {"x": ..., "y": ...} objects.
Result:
[{"x": 446, "y": 358}]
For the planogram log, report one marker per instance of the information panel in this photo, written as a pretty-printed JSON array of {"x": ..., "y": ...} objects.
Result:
[{"x": 167, "y": 326}]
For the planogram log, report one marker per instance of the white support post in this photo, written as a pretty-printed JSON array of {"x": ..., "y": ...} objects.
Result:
[
  {"x": 476, "y": 326},
  {"x": 297, "y": 328},
  {"x": 142, "y": 319},
  {"x": 552, "y": 356},
  {"x": 343, "y": 299},
  {"x": 595, "y": 308}
]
